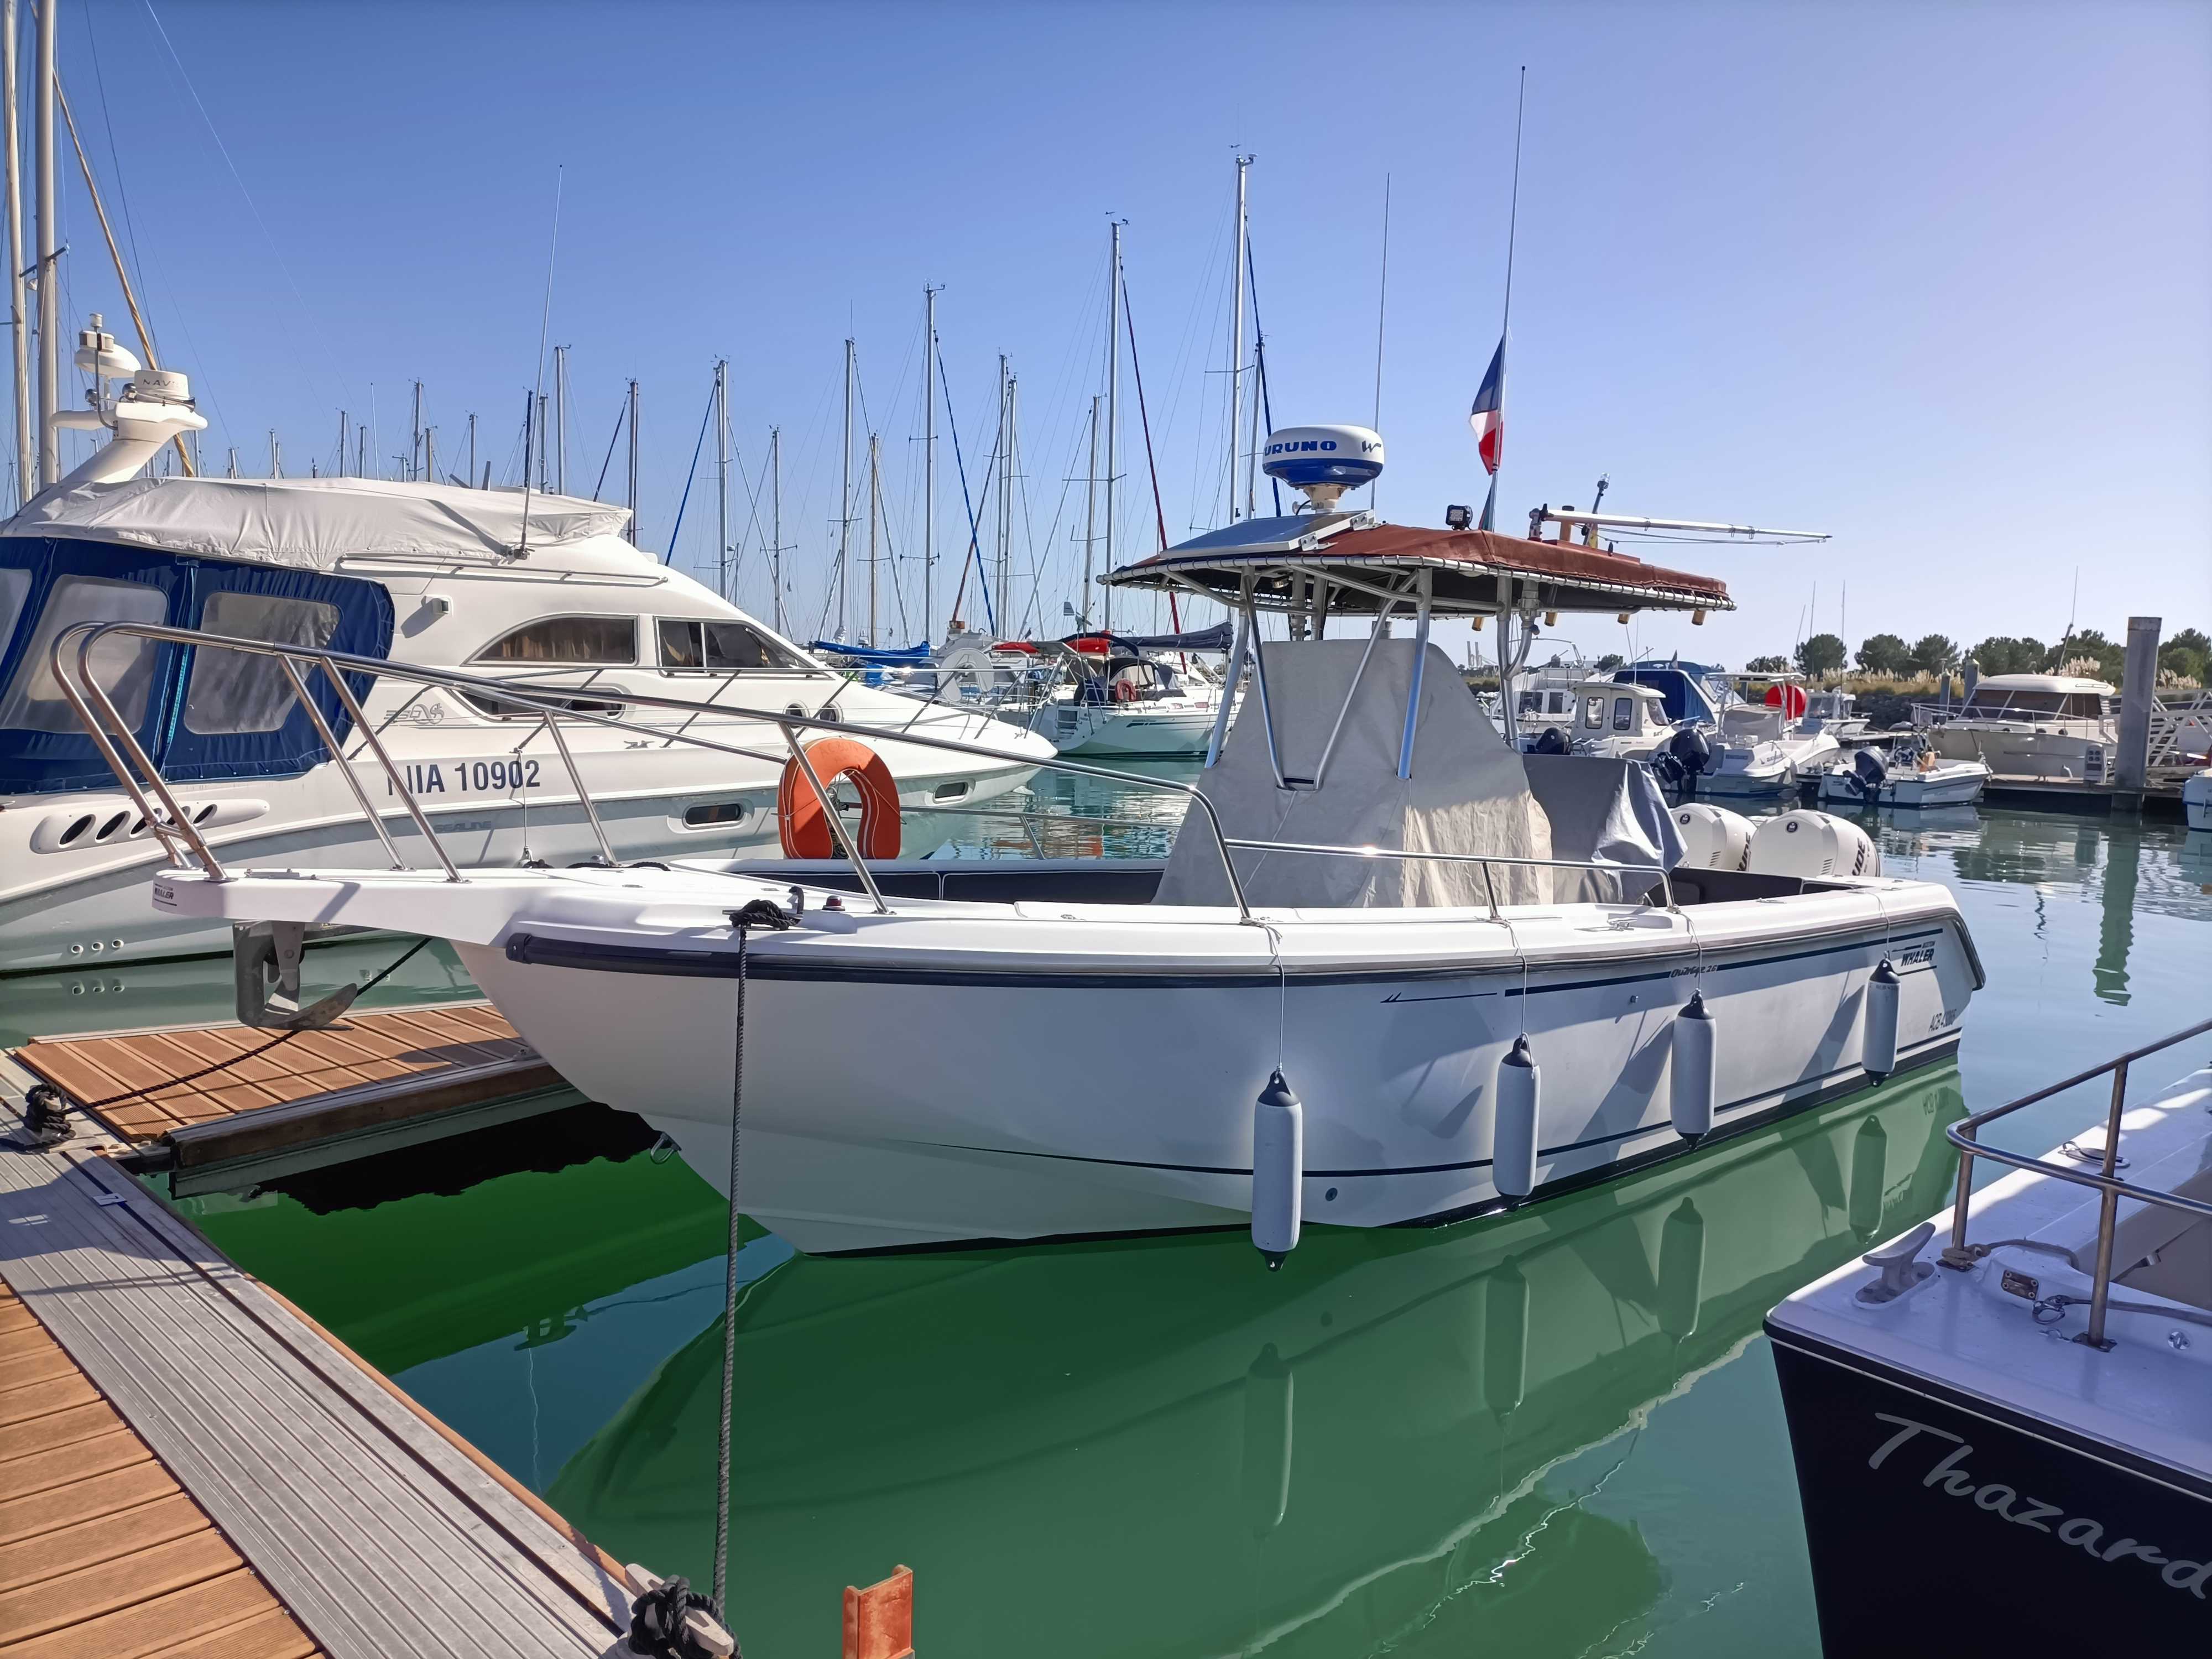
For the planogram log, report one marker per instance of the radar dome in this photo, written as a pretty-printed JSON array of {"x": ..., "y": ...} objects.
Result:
[{"x": 1324, "y": 461}]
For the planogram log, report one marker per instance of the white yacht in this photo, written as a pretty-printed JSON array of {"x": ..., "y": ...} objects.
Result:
[
  {"x": 548, "y": 595},
  {"x": 1506, "y": 984},
  {"x": 2032, "y": 725},
  {"x": 1123, "y": 696},
  {"x": 2002, "y": 1419}
]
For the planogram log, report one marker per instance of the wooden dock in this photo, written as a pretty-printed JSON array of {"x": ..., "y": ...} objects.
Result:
[
  {"x": 373, "y": 1082},
  {"x": 189, "y": 1465}
]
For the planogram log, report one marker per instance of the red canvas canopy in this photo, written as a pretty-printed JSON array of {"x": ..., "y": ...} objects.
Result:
[{"x": 1471, "y": 570}]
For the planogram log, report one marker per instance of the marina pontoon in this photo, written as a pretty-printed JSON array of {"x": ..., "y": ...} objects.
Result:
[{"x": 1392, "y": 970}]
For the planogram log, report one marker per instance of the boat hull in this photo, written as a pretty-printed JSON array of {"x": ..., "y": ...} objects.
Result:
[
  {"x": 904, "y": 1107},
  {"x": 1131, "y": 731},
  {"x": 1976, "y": 1529},
  {"x": 2024, "y": 751}
]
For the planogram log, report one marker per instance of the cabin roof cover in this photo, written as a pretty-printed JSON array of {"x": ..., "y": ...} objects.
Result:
[
  {"x": 1364, "y": 559},
  {"x": 311, "y": 523}
]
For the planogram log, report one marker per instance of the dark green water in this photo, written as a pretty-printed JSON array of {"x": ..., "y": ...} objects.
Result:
[{"x": 1556, "y": 1432}]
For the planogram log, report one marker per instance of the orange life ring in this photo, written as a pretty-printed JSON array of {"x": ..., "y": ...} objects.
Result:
[
  {"x": 800, "y": 821},
  {"x": 1125, "y": 691}
]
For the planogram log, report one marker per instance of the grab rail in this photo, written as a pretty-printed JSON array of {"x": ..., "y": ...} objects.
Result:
[
  {"x": 1960, "y": 1255},
  {"x": 120, "y": 748}
]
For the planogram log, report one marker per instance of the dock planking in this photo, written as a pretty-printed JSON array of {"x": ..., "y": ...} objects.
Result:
[
  {"x": 188, "y": 1465},
  {"x": 391, "y": 1053},
  {"x": 101, "y": 1550}
]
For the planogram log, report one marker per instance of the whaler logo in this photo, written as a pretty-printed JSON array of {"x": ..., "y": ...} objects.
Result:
[
  {"x": 165, "y": 897},
  {"x": 2076, "y": 1531}
]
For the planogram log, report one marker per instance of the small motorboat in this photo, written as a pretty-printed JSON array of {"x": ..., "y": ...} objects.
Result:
[
  {"x": 1770, "y": 748},
  {"x": 1912, "y": 774},
  {"x": 2197, "y": 798},
  {"x": 2016, "y": 1397},
  {"x": 1507, "y": 982}
]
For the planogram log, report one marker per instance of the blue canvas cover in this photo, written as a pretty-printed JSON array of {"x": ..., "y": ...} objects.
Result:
[{"x": 185, "y": 714}]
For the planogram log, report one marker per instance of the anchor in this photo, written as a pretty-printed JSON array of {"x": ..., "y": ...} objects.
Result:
[{"x": 261, "y": 951}]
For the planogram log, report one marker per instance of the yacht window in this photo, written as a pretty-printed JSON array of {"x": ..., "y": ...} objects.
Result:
[
  {"x": 608, "y": 642},
  {"x": 14, "y": 588},
  {"x": 720, "y": 811},
  {"x": 1624, "y": 714},
  {"x": 231, "y": 691},
  {"x": 2085, "y": 706},
  {"x": 500, "y": 710},
  {"x": 123, "y": 665},
  {"x": 2014, "y": 702},
  {"x": 719, "y": 646},
  {"x": 1594, "y": 713}
]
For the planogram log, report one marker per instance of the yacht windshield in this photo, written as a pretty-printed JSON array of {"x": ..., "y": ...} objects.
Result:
[{"x": 124, "y": 666}]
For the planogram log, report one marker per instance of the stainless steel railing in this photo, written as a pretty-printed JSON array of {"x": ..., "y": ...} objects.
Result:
[
  {"x": 1961, "y": 1134},
  {"x": 127, "y": 758}
]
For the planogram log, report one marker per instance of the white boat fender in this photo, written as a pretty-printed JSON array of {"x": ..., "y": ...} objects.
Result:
[
  {"x": 1279, "y": 1157},
  {"x": 1878, "y": 1040},
  {"x": 1713, "y": 838},
  {"x": 1692, "y": 1069},
  {"x": 1513, "y": 1133},
  {"x": 1682, "y": 1271}
]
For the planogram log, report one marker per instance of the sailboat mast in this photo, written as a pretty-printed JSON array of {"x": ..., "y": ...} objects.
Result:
[
  {"x": 1113, "y": 408},
  {"x": 1237, "y": 339},
  {"x": 928, "y": 462},
  {"x": 775, "y": 518},
  {"x": 10, "y": 111},
  {"x": 722, "y": 472},
  {"x": 844, "y": 498},
  {"x": 561, "y": 419},
  {"x": 415, "y": 442},
  {"x": 636, "y": 536},
  {"x": 1090, "y": 520},
  {"x": 1006, "y": 494},
  {"x": 50, "y": 293},
  {"x": 472, "y": 446},
  {"x": 875, "y": 514}
]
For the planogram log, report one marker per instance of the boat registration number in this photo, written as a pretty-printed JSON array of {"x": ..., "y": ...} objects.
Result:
[{"x": 504, "y": 775}]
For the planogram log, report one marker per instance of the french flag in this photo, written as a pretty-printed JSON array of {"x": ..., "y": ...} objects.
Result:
[{"x": 1488, "y": 418}]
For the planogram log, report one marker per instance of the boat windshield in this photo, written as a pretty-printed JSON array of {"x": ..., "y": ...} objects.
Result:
[{"x": 2070, "y": 705}]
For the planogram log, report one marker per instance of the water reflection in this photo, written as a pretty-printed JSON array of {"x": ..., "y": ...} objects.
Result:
[{"x": 1355, "y": 1455}]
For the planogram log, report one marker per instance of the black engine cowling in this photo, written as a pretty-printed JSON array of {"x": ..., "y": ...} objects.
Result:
[
  {"x": 1551, "y": 741},
  {"x": 1691, "y": 750},
  {"x": 1869, "y": 769}
]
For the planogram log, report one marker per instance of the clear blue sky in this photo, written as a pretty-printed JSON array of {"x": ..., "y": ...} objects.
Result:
[{"x": 1935, "y": 279}]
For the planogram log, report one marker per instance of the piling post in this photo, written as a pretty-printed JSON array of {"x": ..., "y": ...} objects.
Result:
[{"x": 2138, "y": 696}]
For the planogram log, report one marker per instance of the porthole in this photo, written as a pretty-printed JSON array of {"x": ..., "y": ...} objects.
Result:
[
  {"x": 112, "y": 825},
  {"x": 951, "y": 791},
  {"x": 75, "y": 830},
  {"x": 713, "y": 812}
]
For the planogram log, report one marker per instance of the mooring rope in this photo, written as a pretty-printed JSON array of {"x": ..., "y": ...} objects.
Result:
[
  {"x": 767, "y": 913},
  {"x": 225, "y": 1065}
]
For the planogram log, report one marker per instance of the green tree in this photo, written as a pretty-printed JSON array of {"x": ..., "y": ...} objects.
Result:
[
  {"x": 1611, "y": 660},
  {"x": 1885, "y": 653},
  {"x": 1767, "y": 665},
  {"x": 1935, "y": 654},
  {"x": 2188, "y": 654},
  {"x": 2000, "y": 654},
  {"x": 1823, "y": 654}
]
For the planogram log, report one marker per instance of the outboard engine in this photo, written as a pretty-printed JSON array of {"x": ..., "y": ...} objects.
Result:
[
  {"x": 1692, "y": 749},
  {"x": 1868, "y": 772},
  {"x": 1551, "y": 741}
]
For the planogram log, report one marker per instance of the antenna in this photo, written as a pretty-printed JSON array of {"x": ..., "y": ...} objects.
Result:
[
  {"x": 537, "y": 368},
  {"x": 1381, "y": 310}
]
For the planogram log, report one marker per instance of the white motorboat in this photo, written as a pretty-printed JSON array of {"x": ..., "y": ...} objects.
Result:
[
  {"x": 1837, "y": 713},
  {"x": 2030, "y": 726},
  {"x": 1610, "y": 718},
  {"x": 2027, "y": 1404},
  {"x": 2197, "y": 798},
  {"x": 542, "y": 592},
  {"x": 1912, "y": 775},
  {"x": 1502, "y": 988},
  {"x": 1126, "y": 696},
  {"x": 1768, "y": 750}
]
